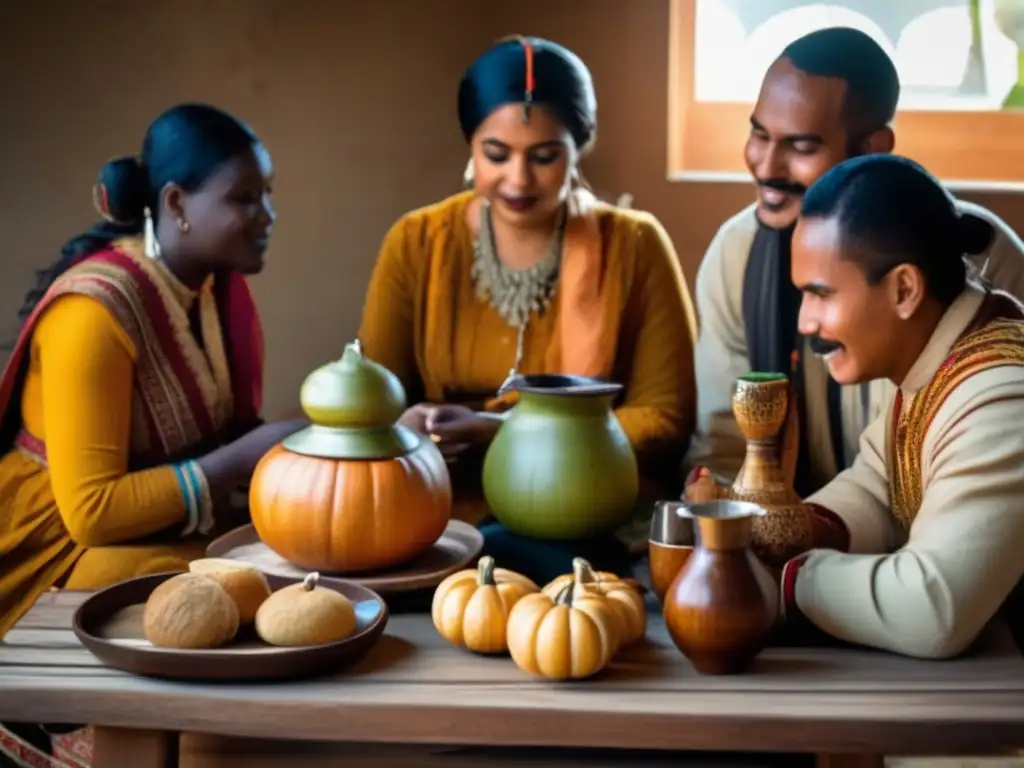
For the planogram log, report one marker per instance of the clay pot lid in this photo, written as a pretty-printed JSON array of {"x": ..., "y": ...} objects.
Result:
[{"x": 353, "y": 403}]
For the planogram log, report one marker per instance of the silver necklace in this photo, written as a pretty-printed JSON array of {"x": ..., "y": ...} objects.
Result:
[{"x": 515, "y": 294}]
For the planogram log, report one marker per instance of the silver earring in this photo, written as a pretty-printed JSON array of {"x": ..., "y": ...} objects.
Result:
[
  {"x": 151, "y": 244},
  {"x": 469, "y": 175}
]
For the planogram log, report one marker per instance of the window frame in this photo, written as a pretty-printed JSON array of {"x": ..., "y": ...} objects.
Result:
[{"x": 705, "y": 140}]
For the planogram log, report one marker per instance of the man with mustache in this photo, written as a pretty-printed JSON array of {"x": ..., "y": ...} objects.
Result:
[
  {"x": 829, "y": 96},
  {"x": 927, "y": 524}
]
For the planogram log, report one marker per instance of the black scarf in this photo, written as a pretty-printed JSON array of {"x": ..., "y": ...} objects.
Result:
[
  {"x": 771, "y": 303},
  {"x": 771, "y": 307}
]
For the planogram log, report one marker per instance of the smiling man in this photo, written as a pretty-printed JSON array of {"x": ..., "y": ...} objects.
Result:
[
  {"x": 830, "y": 95},
  {"x": 929, "y": 515}
]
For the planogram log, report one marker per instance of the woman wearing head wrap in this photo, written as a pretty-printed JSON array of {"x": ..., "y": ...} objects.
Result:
[{"x": 528, "y": 271}]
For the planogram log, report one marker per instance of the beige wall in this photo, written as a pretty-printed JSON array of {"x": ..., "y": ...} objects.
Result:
[{"x": 356, "y": 102}]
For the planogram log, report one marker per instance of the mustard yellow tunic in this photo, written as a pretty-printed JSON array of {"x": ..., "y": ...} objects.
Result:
[
  {"x": 82, "y": 516},
  {"x": 423, "y": 271}
]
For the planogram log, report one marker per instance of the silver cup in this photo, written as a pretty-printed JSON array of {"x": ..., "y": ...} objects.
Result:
[
  {"x": 673, "y": 525},
  {"x": 674, "y": 533}
]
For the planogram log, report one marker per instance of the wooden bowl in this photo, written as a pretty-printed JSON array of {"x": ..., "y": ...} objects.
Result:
[{"x": 109, "y": 624}]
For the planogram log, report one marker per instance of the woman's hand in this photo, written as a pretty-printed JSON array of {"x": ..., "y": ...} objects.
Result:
[
  {"x": 230, "y": 466},
  {"x": 459, "y": 424},
  {"x": 454, "y": 428},
  {"x": 415, "y": 418}
]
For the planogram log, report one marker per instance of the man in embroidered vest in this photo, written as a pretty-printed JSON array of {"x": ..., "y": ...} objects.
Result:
[
  {"x": 919, "y": 540},
  {"x": 831, "y": 95}
]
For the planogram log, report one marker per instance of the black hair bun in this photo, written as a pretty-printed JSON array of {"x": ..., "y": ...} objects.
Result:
[
  {"x": 125, "y": 188},
  {"x": 975, "y": 234}
]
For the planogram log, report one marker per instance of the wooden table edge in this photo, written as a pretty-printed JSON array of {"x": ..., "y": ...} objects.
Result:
[
  {"x": 465, "y": 725},
  {"x": 952, "y": 726}
]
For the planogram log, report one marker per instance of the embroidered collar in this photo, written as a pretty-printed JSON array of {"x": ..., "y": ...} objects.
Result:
[
  {"x": 952, "y": 325},
  {"x": 185, "y": 295}
]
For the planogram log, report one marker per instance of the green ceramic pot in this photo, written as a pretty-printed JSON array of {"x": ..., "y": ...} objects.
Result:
[{"x": 561, "y": 466}]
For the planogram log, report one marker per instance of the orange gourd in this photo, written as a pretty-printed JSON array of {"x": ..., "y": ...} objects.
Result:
[
  {"x": 354, "y": 491},
  {"x": 337, "y": 516},
  {"x": 572, "y": 636},
  {"x": 470, "y": 608},
  {"x": 624, "y": 597}
]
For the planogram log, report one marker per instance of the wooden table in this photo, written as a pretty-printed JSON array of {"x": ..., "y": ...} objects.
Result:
[{"x": 414, "y": 688}]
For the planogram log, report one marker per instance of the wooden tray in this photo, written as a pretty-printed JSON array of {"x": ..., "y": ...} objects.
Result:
[
  {"x": 456, "y": 548},
  {"x": 109, "y": 624}
]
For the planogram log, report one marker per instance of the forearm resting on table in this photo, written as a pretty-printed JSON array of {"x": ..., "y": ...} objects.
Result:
[
  {"x": 900, "y": 602},
  {"x": 932, "y": 597}
]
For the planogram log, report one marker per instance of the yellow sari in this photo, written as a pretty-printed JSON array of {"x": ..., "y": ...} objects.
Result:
[{"x": 104, "y": 405}]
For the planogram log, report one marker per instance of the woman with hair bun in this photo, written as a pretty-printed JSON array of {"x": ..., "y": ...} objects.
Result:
[
  {"x": 527, "y": 270},
  {"x": 129, "y": 410}
]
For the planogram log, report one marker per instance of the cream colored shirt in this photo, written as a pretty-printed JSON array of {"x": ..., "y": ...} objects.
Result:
[
  {"x": 721, "y": 352},
  {"x": 929, "y": 594}
]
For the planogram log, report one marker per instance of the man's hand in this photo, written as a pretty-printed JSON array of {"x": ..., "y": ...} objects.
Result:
[{"x": 701, "y": 487}]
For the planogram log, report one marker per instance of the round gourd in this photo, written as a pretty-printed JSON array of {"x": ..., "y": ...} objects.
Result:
[
  {"x": 189, "y": 611},
  {"x": 624, "y": 597},
  {"x": 243, "y": 583},
  {"x": 470, "y": 608},
  {"x": 305, "y": 614},
  {"x": 342, "y": 516},
  {"x": 354, "y": 491},
  {"x": 570, "y": 637}
]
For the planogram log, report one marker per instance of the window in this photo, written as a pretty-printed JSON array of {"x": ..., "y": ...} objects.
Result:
[{"x": 961, "y": 110}]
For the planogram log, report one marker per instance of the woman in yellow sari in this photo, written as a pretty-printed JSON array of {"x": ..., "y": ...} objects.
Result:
[
  {"x": 129, "y": 409},
  {"x": 528, "y": 271}
]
